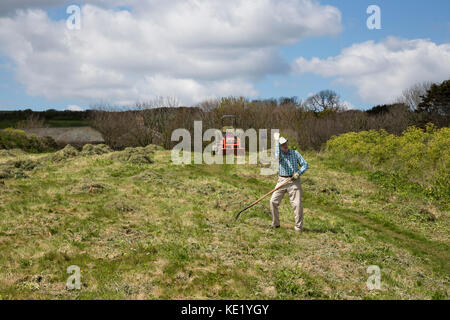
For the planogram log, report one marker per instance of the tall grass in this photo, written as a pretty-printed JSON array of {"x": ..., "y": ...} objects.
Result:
[{"x": 418, "y": 156}]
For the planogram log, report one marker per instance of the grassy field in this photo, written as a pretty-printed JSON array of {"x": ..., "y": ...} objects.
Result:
[{"x": 158, "y": 231}]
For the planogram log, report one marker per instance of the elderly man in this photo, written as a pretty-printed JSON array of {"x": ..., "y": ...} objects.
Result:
[{"x": 289, "y": 160}]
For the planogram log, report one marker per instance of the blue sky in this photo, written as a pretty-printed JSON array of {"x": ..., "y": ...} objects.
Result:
[
  {"x": 403, "y": 19},
  {"x": 407, "y": 19}
]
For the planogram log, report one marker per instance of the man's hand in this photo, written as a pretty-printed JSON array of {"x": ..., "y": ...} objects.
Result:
[
  {"x": 296, "y": 176},
  {"x": 276, "y": 136}
]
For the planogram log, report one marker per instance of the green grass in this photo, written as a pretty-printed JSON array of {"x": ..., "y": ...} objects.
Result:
[{"x": 158, "y": 231}]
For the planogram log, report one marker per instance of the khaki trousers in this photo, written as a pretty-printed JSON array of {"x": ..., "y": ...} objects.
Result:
[{"x": 294, "y": 189}]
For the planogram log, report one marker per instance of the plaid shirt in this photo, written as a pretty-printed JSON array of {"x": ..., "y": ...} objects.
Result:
[{"x": 288, "y": 163}]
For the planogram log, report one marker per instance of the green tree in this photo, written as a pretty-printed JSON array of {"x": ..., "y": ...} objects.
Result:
[{"x": 436, "y": 102}]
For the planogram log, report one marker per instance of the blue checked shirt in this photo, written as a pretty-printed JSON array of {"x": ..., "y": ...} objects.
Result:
[{"x": 288, "y": 163}]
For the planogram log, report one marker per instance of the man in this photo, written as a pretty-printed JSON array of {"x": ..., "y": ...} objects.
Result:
[{"x": 289, "y": 160}]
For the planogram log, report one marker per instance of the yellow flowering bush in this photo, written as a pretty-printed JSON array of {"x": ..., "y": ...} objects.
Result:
[
  {"x": 421, "y": 156},
  {"x": 17, "y": 139}
]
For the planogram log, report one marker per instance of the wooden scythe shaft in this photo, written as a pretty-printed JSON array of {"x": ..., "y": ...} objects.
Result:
[{"x": 263, "y": 197}]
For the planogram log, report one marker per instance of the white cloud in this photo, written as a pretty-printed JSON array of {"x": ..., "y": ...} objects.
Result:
[
  {"x": 191, "y": 49},
  {"x": 381, "y": 71},
  {"x": 74, "y": 108},
  {"x": 348, "y": 105}
]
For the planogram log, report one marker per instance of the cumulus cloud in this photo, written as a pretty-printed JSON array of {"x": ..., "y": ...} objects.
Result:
[
  {"x": 74, "y": 108},
  {"x": 381, "y": 71},
  {"x": 348, "y": 105},
  {"x": 189, "y": 49}
]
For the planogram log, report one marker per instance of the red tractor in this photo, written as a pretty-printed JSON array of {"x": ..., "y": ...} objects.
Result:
[{"x": 230, "y": 142}]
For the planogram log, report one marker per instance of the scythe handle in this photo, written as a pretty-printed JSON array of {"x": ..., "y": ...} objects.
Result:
[{"x": 262, "y": 198}]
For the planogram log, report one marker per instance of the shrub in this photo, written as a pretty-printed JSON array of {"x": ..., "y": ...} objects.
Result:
[
  {"x": 17, "y": 139},
  {"x": 420, "y": 156}
]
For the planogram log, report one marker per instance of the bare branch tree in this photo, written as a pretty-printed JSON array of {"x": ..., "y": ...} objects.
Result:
[
  {"x": 412, "y": 96},
  {"x": 324, "y": 100}
]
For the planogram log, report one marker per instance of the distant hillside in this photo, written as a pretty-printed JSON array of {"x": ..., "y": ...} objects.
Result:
[{"x": 52, "y": 118}]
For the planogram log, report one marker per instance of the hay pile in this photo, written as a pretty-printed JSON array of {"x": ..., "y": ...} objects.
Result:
[
  {"x": 121, "y": 205},
  {"x": 11, "y": 172},
  {"x": 12, "y": 153},
  {"x": 16, "y": 168},
  {"x": 89, "y": 187},
  {"x": 139, "y": 155},
  {"x": 153, "y": 147},
  {"x": 149, "y": 176},
  {"x": 6, "y": 173},
  {"x": 68, "y": 152},
  {"x": 90, "y": 150}
]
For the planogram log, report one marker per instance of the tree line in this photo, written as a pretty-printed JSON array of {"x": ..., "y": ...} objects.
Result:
[{"x": 310, "y": 123}]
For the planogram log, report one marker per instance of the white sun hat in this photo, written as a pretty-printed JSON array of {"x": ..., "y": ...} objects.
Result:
[{"x": 283, "y": 140}]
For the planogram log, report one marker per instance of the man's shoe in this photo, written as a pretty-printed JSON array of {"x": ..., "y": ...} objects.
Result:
[
  {"x": 274, "y": 227},
  {"x": 298, "y": 230}
]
